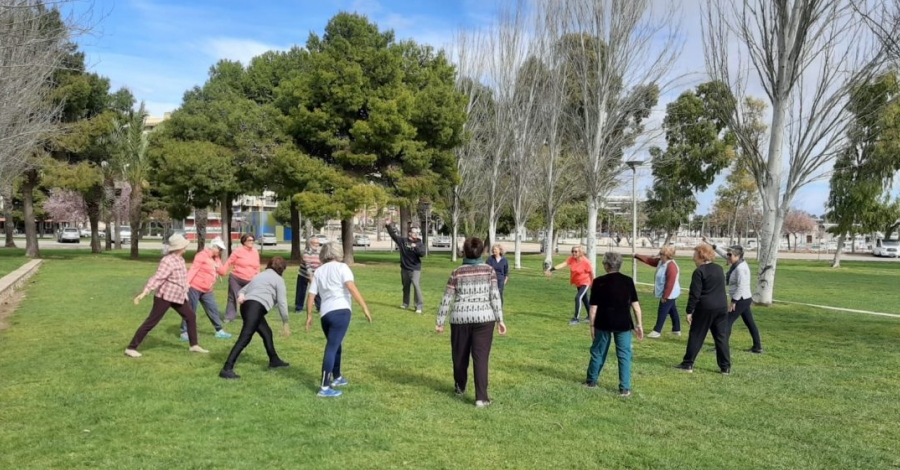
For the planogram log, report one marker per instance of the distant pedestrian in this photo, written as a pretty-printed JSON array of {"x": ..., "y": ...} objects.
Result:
[
  {"x": 707, "y": 311},
  {"x": 500, "y": 265},
  {"x": 260, "y": 295},
  {"x": 171, "y": 287},
  {"x": 308, "y": 265},
  {"x": 411, "y": 252},
  {"x": 245, "y": 263},
  {"x": 666, "y": 288},
  {"x": 472, "y": 299},
  {"x": 581, "y": 274},
  {"x": 201, "y": 279},
  {"x": 334, "y": 283},
  {"x": 613, "y": 298}
]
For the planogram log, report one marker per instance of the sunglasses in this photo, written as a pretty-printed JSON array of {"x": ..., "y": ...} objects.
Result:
[{"x": 729, "y": 254}]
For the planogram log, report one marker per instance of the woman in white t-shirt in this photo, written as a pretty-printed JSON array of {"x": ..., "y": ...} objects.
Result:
[{"x": 333, "y": 283}]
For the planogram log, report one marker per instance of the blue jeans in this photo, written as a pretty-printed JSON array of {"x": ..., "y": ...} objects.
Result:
[
  {"x": 334, "y": 324},
  {"x": 667, "y": 309},
  {"x": 208, "y": 299},
  {"x": 600, "y": 347}
]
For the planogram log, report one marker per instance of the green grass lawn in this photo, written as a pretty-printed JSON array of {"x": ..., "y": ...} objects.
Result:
[
  {"x": 823, "y": 396},
  {"x": 10, "y": 260}
]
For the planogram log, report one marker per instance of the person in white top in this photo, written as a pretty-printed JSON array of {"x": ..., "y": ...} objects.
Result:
[
  {"x": 738, "y": 281},
  {"x": 333, "y": 283}
]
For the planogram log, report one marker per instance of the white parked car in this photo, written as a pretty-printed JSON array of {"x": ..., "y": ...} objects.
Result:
[
  {"x": 361, "y": 240},
  {"x": 69, "y": 235},
  {"x": 267, "y": 239},
  {"x": 440, "y": 241},
  {"x": 890, "y": 248},
  {"x": 322, "y": 239},
  {"x": 125, "y": 234},
  {"x": 85, "y": 232}
]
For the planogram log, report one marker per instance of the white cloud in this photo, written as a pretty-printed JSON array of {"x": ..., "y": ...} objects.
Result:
[{"x": 236, "y": 49}]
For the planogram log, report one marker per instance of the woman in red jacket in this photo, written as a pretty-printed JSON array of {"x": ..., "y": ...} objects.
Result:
[{"x": 581, "y": 275}]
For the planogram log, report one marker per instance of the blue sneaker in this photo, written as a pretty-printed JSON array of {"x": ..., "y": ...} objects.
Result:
[
  {"x": 222, "y": 334},
  {"x": 339, "y": 382},
  {"x": 184, "y": 337},
  {"x": 329, "y": 393}
]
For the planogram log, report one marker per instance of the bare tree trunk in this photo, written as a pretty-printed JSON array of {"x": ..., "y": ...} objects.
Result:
[
  {"x": 405, "y": 220},
  {"x": 227, "y": 215},
  {"x": 591, "y": 238},
  {"x": 201, "y": 221},
  {"x": 28, "y": 185},
  {"x": 296, "y": 251},
  {"x": 836, "y": 261},
  {"x": 137, "y": 196},
  {"x": 347, "y": 239},
  {"x": 10, "y": 224}
]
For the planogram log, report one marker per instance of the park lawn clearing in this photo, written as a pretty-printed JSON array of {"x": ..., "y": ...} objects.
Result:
[{"x": 823, "y": 395}]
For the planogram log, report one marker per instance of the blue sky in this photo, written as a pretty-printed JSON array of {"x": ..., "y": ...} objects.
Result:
[{"x": 161, "y": 48}]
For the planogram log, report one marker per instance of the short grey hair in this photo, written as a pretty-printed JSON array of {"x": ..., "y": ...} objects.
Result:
[
  {"x": 612, "y": 261},
  {"x": 331, "y": 251},
  {"x": 738, "y": 251}
]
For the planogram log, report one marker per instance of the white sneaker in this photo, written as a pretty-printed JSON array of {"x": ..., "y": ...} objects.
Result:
[
  {"x": 198, "y": 349},
  {"x": 132, "y": 353},
  {"x": 419, "y": 311},
  {"x": 676, "y": 333},
  {"x": 654, "y": 334},
  {"x": 482, "y": 404}
]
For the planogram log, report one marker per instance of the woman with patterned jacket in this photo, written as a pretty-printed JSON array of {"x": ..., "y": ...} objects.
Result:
[{"x": 472, "y": 300}]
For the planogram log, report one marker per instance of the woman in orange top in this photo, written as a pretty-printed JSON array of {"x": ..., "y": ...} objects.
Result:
[
  {"x": 581, "y": 276},
  {"x": 245, "y": 261}
]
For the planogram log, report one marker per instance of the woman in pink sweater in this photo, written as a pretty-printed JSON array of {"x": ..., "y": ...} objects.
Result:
[{"x": 245, "y": 264}]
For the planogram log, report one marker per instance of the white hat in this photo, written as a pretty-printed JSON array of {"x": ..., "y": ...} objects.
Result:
[
  {"x": 178, "y": 242},
  {"x": 218, "y": 243}
]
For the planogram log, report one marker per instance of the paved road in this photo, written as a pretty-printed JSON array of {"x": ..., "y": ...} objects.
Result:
[{"x": 527, "y": 248}]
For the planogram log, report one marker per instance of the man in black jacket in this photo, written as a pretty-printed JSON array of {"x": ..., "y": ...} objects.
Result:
[{"x": 411, "y": 252}]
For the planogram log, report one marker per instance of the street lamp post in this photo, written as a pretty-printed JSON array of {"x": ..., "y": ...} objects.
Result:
[{"x": 633, "y": 164}]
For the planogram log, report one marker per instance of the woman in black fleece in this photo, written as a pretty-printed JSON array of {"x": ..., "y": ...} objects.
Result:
[{"x": 707, "y": 311}]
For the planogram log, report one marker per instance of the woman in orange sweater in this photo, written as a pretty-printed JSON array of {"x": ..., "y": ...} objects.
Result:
[
  {"x": 245, "y": 264},
  {"x": 582, "y": 275}
]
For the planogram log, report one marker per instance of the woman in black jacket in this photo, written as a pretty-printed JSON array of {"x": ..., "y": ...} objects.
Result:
[{"x": 707, "y": 311}]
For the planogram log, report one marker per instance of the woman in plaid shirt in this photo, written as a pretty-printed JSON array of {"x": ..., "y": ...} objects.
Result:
[{"x": 170, "y": 284}]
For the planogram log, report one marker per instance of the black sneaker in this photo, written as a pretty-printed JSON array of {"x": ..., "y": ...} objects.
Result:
[
  {"x": 228, "y": 374},
  {"x": 756, "y": 350},
  {"x": 460, "y": 392},
  {"x": 589, "y": 384},
  {"x": 277, "y": 364},
  {"x": 624, "y": 392},
  {"x": 685, "y": 368},
  {"x": 725, "y": 371}
]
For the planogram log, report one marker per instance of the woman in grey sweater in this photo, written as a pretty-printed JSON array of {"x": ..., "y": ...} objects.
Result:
[
  {"x": 265, "y": 291},
  {"x": 738, "y": 279},
  {"x": 473, "y": 301}
]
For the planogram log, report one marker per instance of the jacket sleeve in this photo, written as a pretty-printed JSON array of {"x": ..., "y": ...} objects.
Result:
[
  {"x": 420, "y": 248},
  {"x": 719, "y": 252},
  {"x": 496, "y": 304},
  {"x": 695, "y": 290},
  {"x": 649, "y": 260},
  {"x": 392, "y": 232},
  {"x": 447, "y": 300},
  {"x": 505, "y": 267},
  {"x": 281, "y": 300},
  {"x": 163, "y": 271}
]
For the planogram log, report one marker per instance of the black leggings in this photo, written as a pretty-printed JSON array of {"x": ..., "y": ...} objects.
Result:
[
  {"x": 254, "y": 315},
  {"x": 742, "y": 309}
]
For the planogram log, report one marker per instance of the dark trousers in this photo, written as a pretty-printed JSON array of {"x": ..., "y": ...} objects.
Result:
[
  {"x": 501, "y": 283},
  {"x": 208, "y": 300},
  {"x": 581, "y": 298},
  {"x": 253, "y": 314},
  {"x": 667, "y": 308},
  {"x": 742, "y": 310},
  {"x": 157, "y": 312},
  {"x": 235, "y": 284},
  {"x": 704, "y": 322},
  {"x": 300, "y": 296},
  {"x": 472, "y": 339},
  {"x": 335, "y": 325}
]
